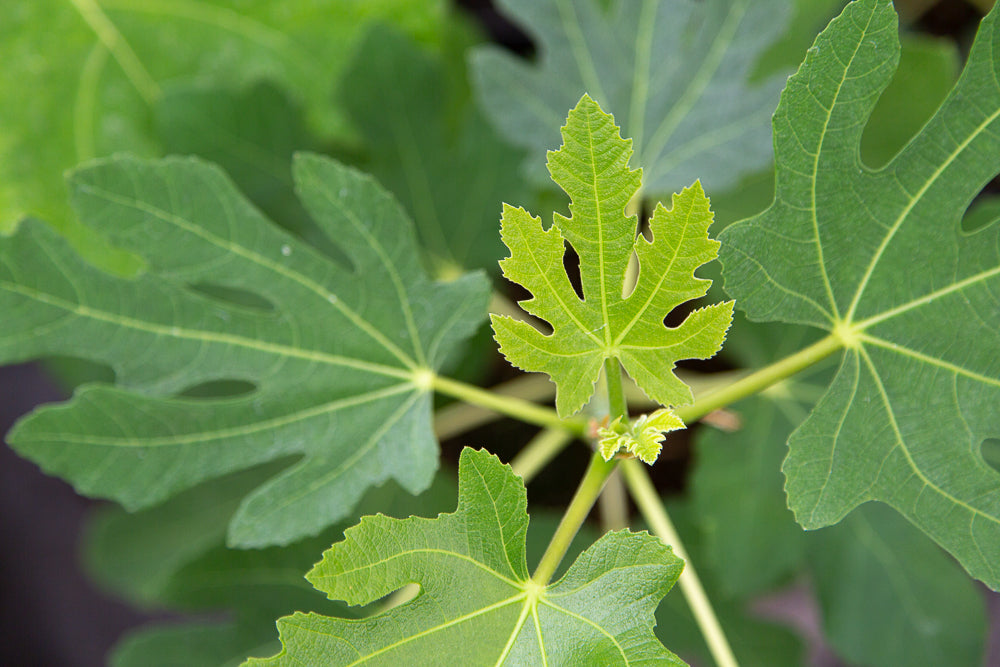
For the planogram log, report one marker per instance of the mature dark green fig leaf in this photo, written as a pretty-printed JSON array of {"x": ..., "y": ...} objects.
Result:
[
  {"x": 429, "y": 144},
  {"x": 477, "y": 605},
  {"x": 876, "y": 576},
  {"x": 341, "y": 362},
  {"x": 674, "y": 72},
  {"x": 82, "y": 78},
  {"x": 592, "y": 168},
  {"x": 878, "y": 258}
]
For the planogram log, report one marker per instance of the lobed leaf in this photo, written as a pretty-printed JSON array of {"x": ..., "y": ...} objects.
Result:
[
  {"x": 477, "y": 605},
  {"x": 592, "y": 167},
  {"x": 675, "y": 71},
  {"x": 875, "y": 575},
  {"x": 341, "y": 363},
  {"x": 878, "y": 258}
]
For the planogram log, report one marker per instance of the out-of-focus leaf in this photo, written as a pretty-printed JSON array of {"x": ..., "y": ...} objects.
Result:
[
  {"x": 674, "y": 73},
  {"x": 449, "y": 169},
  {"x": 251, "y": 133},
  {"x": 81, "y": 79},
  {"x": 194, "y": 645},
  {"x": 890, "y": 596},
  {"x": 751, "y": 539},
  {"x": 341, "y": 363}
]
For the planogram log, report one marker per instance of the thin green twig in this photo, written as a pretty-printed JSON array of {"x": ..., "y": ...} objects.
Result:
[
  {"x": 536, "y": 454},
  {"x": 648, "y": 500},
  {"x": 583, "y": 500}
]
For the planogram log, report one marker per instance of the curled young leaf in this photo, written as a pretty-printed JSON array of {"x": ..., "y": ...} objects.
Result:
[{"x": 643, "y": 439}]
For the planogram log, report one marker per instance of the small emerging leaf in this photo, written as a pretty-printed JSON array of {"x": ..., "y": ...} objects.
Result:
[
  {"x": 592, "y": 167},
  {"x": 477, "y": 606},
  {"x": 644, "y": 439}
]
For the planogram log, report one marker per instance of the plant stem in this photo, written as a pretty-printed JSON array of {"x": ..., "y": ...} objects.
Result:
[
  {"x": 613, "y": 504},
  {"x": 646, "y": 497},
  {"x": 760, "y": 380},
  {"x": 590, "y": 486},
  {"x": 543, "y": 448},
  {"x": 616, "y": 394},
  {"x": 510, "y": 406},
  {"x": 583, "y": 500},
  {"x": 748, "y": 385},
  {"x": 460, "y": 416}
]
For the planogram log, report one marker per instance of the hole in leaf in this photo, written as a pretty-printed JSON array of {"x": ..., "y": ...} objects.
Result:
[
  {"x": 921, "y": 82},
  {"x": 991, "y": 452},
  {"x": 646, "y": 232},
  {"x": 234, "y": 296},
  {"x": 571, "y": 262},
  {"x": 219, "y": 389},
  {"x": 400, "y": 596},
  {"x": 631, "y": 276},
  {"x": 985, "y": 209}
]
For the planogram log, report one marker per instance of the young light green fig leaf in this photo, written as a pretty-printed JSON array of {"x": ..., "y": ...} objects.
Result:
[
  {"x": 340, "y": 363},
  {"x": 477, "y": 605},
  {"x": 643, "y": 439},
  {"x": 879, "y": 259},
  {"x": 675, "y": 72},
  {"x": 592, "y": 167}
]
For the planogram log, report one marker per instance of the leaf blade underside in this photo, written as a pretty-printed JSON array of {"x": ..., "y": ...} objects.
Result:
[
  {"x": 592, "y": 167},
  {"x": 917, "y": 389},
  {"x": 330, "y": 345},
  {"x": 676, "y": 74},
  {"x": 477, "y": 605}
]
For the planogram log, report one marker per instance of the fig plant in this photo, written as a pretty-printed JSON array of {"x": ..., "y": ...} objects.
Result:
[{"x": 277, "y": 357}]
